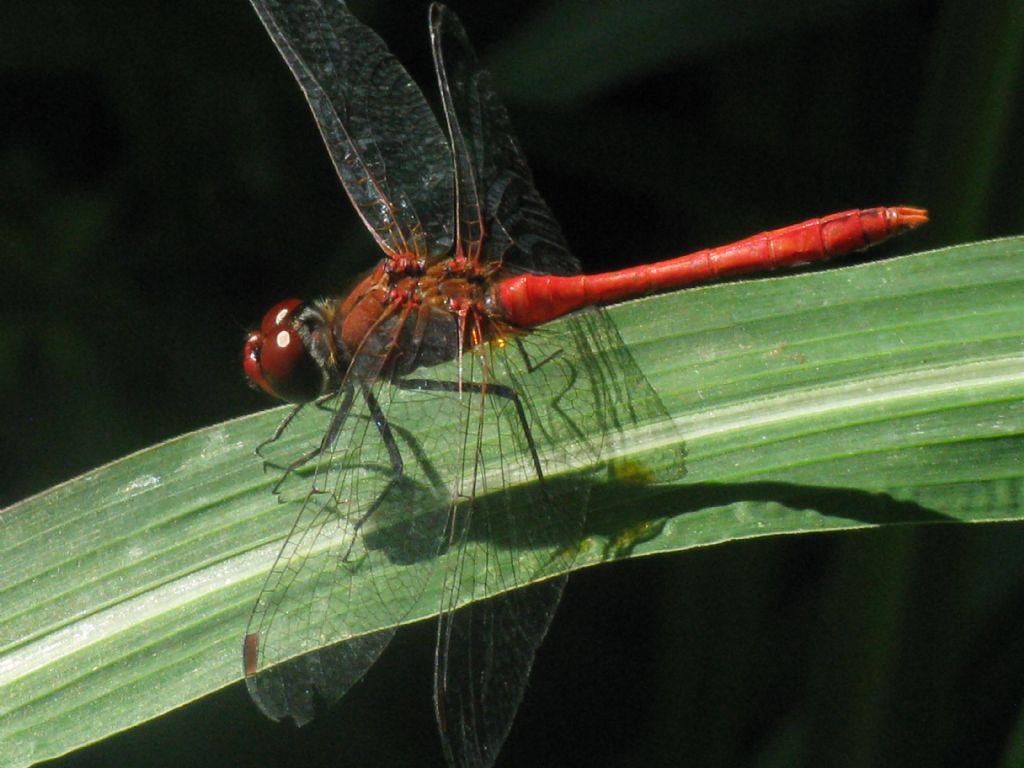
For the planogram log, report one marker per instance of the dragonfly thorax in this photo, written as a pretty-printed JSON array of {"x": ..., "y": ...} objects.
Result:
[{"x": 397, "y": 321}]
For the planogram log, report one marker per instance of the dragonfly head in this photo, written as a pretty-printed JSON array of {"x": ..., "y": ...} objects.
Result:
[{"x": 286, "y": 356}]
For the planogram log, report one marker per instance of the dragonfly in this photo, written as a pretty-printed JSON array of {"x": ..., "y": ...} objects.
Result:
[{"x": 463, "y": 430}]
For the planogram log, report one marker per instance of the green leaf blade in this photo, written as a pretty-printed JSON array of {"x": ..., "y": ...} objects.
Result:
[{"x": 882, "y": 394}]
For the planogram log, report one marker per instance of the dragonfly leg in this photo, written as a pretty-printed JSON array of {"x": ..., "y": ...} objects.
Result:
[
  {"x": 496, "y": 390},
  {"x": 338, "y": 418},
  {"x": 279, "y": 430},
  {"x": 532, "y": 367},
  {"x": 556, "y": 402},
  {"x": 394, "y": 457}
]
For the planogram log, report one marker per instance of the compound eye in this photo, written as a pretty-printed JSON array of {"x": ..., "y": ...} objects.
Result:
[
  {"x": 251, "y": 354},
  {"x": 278, "y": 315},
  {"x": 276, "y": 360}
]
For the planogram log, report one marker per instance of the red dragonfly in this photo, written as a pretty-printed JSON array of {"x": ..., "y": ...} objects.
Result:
[{"x": 461, "y": 438}]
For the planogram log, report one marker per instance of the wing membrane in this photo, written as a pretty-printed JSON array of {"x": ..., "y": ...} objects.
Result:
[
  {"x": 362, "y": 551},
  {"x": 382, "y": 136},
  {"x": 534, "y": 441},
  {"x": 520, "y": 230}
]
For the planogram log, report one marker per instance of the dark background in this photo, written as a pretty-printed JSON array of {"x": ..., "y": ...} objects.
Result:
[{"x": 163, "y": 183}]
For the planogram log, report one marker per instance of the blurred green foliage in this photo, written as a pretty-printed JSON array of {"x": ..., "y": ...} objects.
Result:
[{"x": 164, "y": 183}]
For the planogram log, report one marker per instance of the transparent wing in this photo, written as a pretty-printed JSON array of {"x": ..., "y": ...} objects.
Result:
[
  {"x": 360, "y": 554},
  {"x": 469, "y": 213},
  {"x": 547, "y": 408},
  {"x": 519, "y": 229},
  {"x": 557, "y": 406},
  {"x": 383, "y": 138}
]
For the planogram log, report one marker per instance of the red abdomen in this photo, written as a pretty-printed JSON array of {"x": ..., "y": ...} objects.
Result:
[{"x": 530, "y": 300}]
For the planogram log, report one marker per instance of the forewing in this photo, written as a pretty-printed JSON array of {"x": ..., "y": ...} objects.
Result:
[
  {"x": 559, "y": 405},
  {"x": 453, "y": 84},
  {"x": 520, "y": 231},
  {"x": 383, "y": 138}
]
